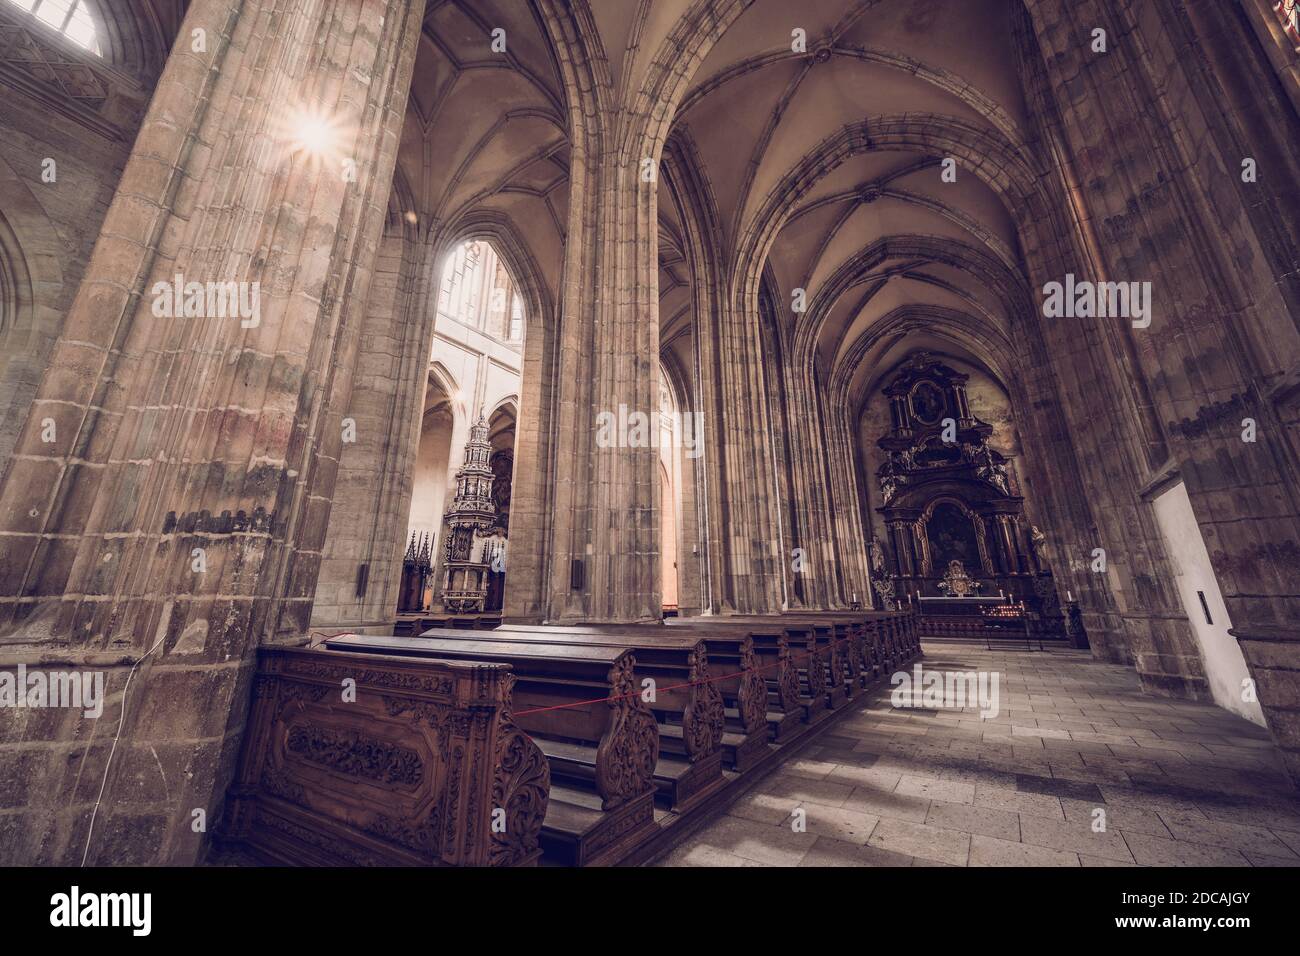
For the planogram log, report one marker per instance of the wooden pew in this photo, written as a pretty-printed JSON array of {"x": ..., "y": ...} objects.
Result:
[
  {"x": 880, "y": 641},
  {"x": 877, "y": 642},
  {"x": 774, "y": 659},
  {"x": 862, "y": 645},
  {"x": 875, "y": 661},
  {"x": 896, "y": 638},
  {"x": 687, "y": 704},
  {"x": 724, "y": 669},
  {"x": 582, "y": 707},
  {"x": 817, "y": 650},
  {"x": 809, "y": 658},
  {"x": 413, "y": 625},
  {"x": 895, "y": 656},
  {"x": 843, "y": 636},
  {"x": 409, "y": 771},
  {"x": 407, "y": 625}
]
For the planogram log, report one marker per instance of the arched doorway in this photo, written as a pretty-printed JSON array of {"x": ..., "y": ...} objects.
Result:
[{"x": 465, "y": 466}]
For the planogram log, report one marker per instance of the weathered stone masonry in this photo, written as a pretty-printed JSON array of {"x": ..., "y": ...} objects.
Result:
[{"x": 600, "y": 154}]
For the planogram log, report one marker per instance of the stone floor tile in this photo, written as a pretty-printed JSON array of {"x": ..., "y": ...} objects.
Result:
[
  {"x": 805, "y": 767},
  {"x": 873, "y": 776},
  {"x": 990, "y": 851},
  {"x": 838, "y": 823},
  {"x": 1036, "y": 804},
  {"x": 801, "y": 789},
  {"x": 828, "y": 852},
  {"x": 1180, "y": 783},
  {"x": 761, "y": 842},
  {"x": 897, "y": 806},
  {"x": 701, "y": 854},
  {"x": 951, "y": 791},
  {"x": 1118, "y": 817},
  {"x": 920, "y": 840},
  {"x": 971, "y": 819},
  {"x": 1075, "y": 837},
  {"x": 1156, "y": 851},
  {"x": 1235, "y": 836}
]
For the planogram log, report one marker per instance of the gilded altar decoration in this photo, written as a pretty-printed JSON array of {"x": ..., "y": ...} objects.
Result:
[
  {"x": 885, "y": 588},
  {"x": 957, "y": 583}
]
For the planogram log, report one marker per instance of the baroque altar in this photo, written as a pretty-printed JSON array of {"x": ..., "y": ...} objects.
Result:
[{"x": 955, "y": 521}]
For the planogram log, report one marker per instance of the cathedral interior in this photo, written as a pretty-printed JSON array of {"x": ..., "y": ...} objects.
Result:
[{"x": 649, "y": 432}]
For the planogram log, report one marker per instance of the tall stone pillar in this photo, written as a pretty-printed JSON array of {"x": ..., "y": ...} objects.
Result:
[
  {"x": 754, "y": 562},
  {"x": 1162, "y": 122},
  {"x": 811, "y": 459},
  {"x": 168, "y": 501},
  {"x": 605, "y": 530},
  {"x": 604, "y": 524}
]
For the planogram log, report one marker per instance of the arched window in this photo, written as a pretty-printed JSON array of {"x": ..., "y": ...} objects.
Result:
[
  {"x": 478, "y": 291},
  {"x": 69, "y": 17}
]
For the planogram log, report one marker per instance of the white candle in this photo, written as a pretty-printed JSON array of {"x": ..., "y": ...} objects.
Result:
[{"x": 1069, "y": 596}]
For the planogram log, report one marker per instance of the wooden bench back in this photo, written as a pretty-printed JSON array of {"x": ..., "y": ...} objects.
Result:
[
  {"x": 583, "y": 694},
  {"x": 678, "y": 663},
  {"x": 356, "y": 759}
]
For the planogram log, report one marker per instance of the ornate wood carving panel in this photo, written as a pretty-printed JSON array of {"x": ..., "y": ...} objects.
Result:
[{"x": 351, "y": 759}]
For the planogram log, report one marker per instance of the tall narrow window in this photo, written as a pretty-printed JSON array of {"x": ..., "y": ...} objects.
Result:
[
  {"x": 517, "y": 320},
  {"x": 69, "y": 17},
  {"x": 477, "y": 290}
]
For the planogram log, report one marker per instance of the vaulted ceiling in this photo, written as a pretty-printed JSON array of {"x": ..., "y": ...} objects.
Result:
[
  {"x": 872, "y": 234},
  {"x": 880, "y": 243},
  {"x": 875, "y": 237},
  {"x": 485, "y": 131}
]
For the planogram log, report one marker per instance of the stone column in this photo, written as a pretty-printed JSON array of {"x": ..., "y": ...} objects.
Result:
[
  {"x": 1092, "y": 455},
  {"x": 171, "y": 489},
  {"x": 1162, "y": 127},
  {"x": 852, "y": 535},
  {"x": 372, "y": 494},
  {"x": 604, "y": 533},
  {"x": 606, "y": 519},
  {"x": 753, "y": 556},
  {"x": 811, "y": 455}
]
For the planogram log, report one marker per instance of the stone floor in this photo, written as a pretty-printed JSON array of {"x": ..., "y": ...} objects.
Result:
[{"x": 1179, "y": 784}]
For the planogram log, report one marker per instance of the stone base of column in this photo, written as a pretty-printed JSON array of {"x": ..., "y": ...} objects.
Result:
[{"x": 1272, "y": 654}]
